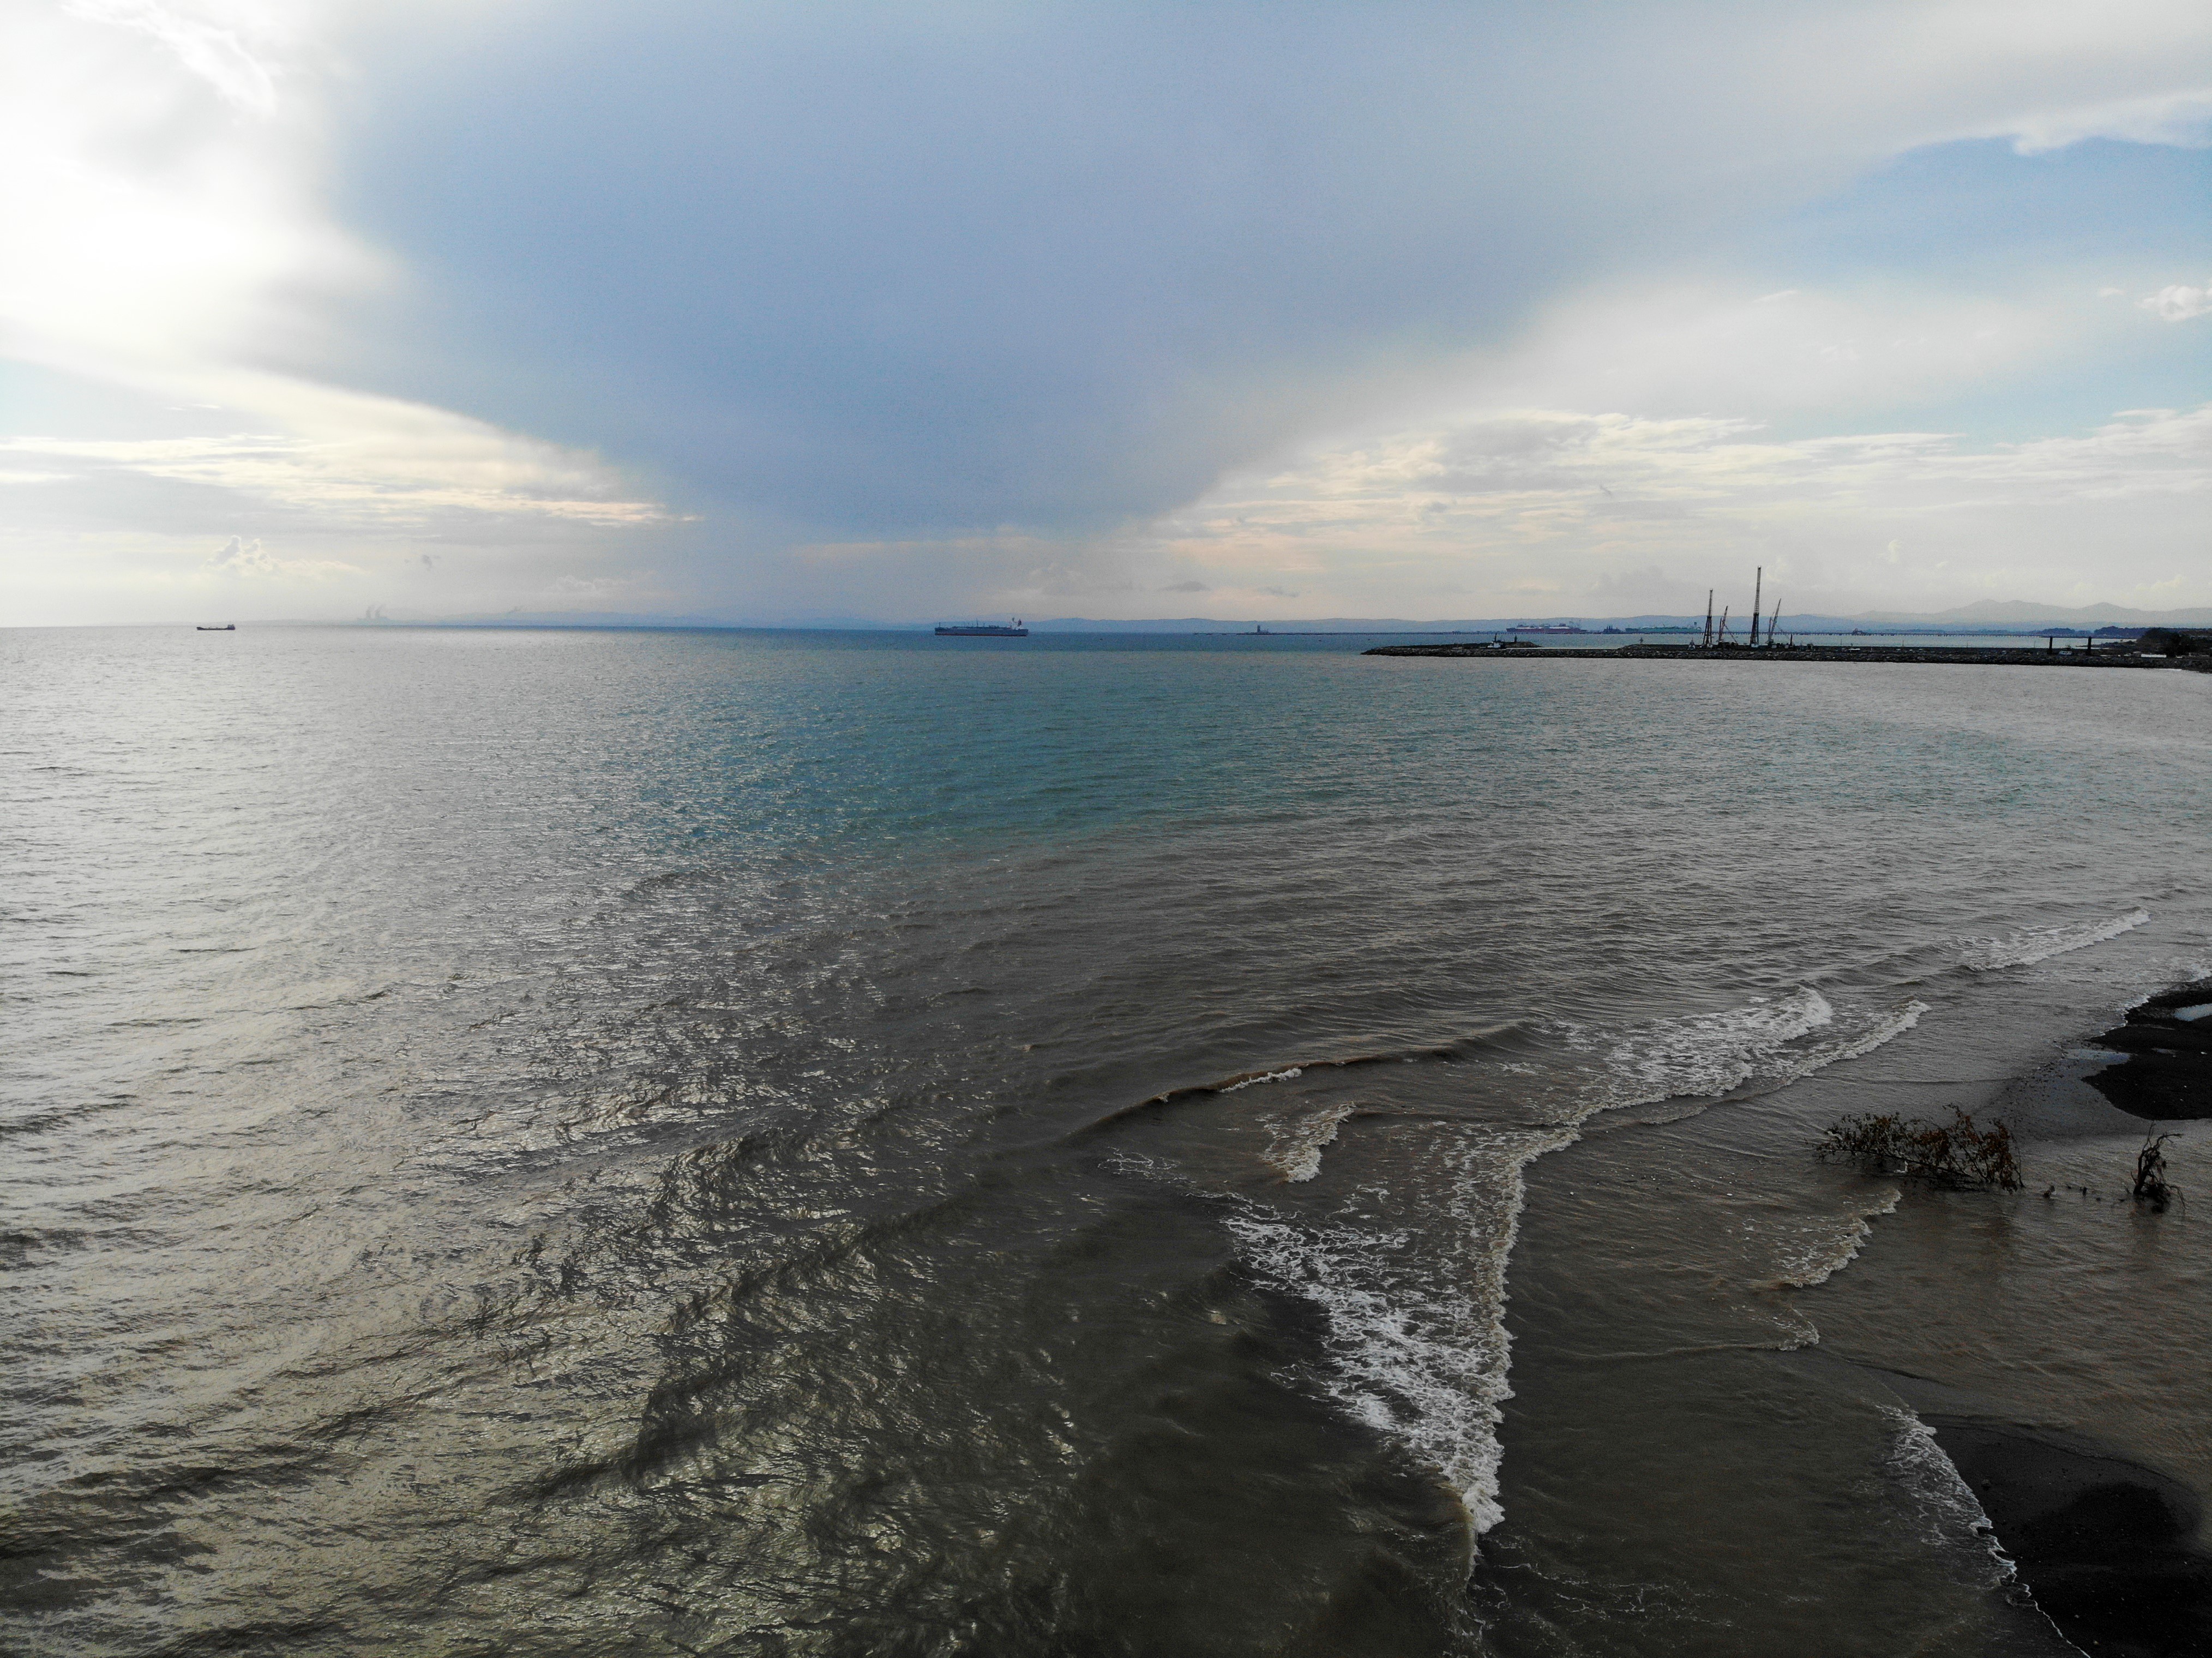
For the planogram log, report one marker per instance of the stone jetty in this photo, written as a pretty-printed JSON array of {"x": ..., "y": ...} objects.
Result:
[{"x": 2105, "y": 656}]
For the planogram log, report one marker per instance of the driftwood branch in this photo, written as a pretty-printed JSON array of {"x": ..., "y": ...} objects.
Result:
[{"x": 1958, "y": 1153}]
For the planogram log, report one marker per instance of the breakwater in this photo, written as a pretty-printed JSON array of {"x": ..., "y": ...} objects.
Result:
[{"x": 1983, "y": 656}]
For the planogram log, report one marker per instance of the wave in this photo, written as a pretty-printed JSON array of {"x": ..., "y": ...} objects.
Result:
[
  {"x": 1710, "y": 1055},
  {"x": 1414, "y": 1342},
  {"x": 1243, "y": 1079},
  {"x": 1295, "y": 1143},
  {"x": 1262, "y": 1076},
  {"x": 1893, "y": 1023},
  {"x": 1417, "y": 1347},
  {"x": 1425, "y": 1365},
  {"x": 1950, "y": 1515},
  {"x": 1831, "y": 1246},
  {"x": 2039, "y": 943}
]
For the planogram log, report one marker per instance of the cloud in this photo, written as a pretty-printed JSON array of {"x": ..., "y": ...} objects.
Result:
[
  {"x": 2178, "y": 303},
  {"x": 211, "y": 50},
  {"x": 165, "y": 209},
  {"x": 1517, "y": 502},
  {"x": 244, "y": 559},
  {"x": 338, "y": 465},
  {"x": 937, "y": 273},
  {"x": 1186, "y": 587},
  {"x": 2183, "y": 119},
  {"x": 830, "y": 305},
  {"x": 419, "y": 469},
  {"x": 171, "y": 246}
]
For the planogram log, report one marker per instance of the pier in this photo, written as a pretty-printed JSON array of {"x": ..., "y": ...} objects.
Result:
[{"x": 1962, "y": 655}]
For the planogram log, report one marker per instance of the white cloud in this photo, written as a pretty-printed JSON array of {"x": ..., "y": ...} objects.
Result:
[
  {"x": 248, "y": 560},
  {"x": 2178, "y": 303},
  {"x": 169, "y": 240},
  {"x": 1683, "y": 345},
  {"x": 150, "y": 223},
  {"x": 172, "y": 228},
  {"x": 1499, "y": 509},
  {"x": 369, "y": 466},
  {"x": 241, "y": 557},
  {"x": 2183, "y": 119},
  {"x": 210, "y": 41}
]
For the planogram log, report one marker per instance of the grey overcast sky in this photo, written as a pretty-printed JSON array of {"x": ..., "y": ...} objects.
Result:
[{"x": 781, "y": 313}]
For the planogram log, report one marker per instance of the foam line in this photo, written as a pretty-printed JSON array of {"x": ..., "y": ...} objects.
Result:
[
  {"x": 1833, "y": 1245},
  {"x": 1295, "y": 1142},
  {"x": 2040, "y": 944},
  {"x": 1416, "y": 1349},
  {"x": 1950, "y": 1515}
]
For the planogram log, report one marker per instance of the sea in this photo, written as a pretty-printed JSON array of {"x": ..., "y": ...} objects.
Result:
[{"x": 810, "y": 1145}]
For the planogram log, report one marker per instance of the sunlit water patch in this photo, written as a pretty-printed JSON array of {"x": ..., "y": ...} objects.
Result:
[{"x": 599, "y": 1144}]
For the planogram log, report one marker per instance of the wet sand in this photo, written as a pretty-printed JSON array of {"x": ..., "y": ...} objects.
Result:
[{"x": 2104, "y": 1543}]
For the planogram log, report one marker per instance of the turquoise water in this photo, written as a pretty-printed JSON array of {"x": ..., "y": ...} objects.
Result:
[{"x": 593, "y": 1143}]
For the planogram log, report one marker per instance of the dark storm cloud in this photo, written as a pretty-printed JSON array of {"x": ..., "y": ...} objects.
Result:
[{"x": 916, "y": 271}]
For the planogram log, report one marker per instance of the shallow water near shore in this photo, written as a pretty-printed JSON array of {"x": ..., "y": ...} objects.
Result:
[{"x": 576, "y": 1142}]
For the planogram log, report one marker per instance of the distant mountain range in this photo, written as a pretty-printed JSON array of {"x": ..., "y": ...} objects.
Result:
[{"x": 2008, "y": 615}]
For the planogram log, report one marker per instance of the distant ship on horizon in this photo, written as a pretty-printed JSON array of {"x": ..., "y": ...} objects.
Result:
[{"x": 984, "y": 630}]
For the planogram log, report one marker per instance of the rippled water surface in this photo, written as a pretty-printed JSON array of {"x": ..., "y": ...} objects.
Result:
[{"x": 596, "y": 1144}]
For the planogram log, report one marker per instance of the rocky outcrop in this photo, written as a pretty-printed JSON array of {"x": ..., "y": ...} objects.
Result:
[{"x": 2166, "y": 1041}]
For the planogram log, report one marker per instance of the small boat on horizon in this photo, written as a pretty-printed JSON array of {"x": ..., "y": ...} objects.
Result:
[
  {"x": 984, "y": 630},
  {"x": 221, "y": 628}
]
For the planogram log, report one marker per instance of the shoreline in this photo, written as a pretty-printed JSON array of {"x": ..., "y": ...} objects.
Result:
[
  {"x": 2106, "y": 1542},
  {"x": 1962, "y": 655}
]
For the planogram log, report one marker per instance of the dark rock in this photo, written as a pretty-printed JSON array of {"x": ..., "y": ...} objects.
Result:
[
  {"x": 2167, "y": 1072},
  {"x": 2105, "y": 1545}
]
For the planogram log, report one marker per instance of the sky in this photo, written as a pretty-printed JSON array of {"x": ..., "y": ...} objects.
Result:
[{"x": 782, "y": 314}]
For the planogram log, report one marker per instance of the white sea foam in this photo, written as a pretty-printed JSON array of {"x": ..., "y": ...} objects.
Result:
[
  {"x": 1707, "y": 1054},
  {"x": 1857, "y": 1044},
  {"x": 1268, "y": 1077},
  {"x": 1828, "y": 1246},
  {"x": 1295, "y": 1143},
  {"x": 1417, "y": 1347},
  {"x": 2039, "y": 943},
  {"x": 1710, "y": 1052},
  {"x": 1949, "y": 1513}
]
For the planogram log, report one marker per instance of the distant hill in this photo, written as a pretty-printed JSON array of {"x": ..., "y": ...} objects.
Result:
[{"x": 2013, "y": 614}]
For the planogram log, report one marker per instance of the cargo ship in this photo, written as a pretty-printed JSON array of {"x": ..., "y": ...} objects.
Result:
[{"x": 985, "y": 630}]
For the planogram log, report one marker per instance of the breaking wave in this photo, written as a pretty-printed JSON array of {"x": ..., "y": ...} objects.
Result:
[
  {"x": 1829, "y": 1246},
  {"x": 1709, "y": 1054},
  {"x": 1948, "y": 1512},
  {"x": 1416, "y": 1347},
  {"x": 1817, "y": 1056},
  {"x": 2039, "y": 943},
  {"x": 1244, "y": 1083},
  {"x": 1295, "y": 1143}
]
